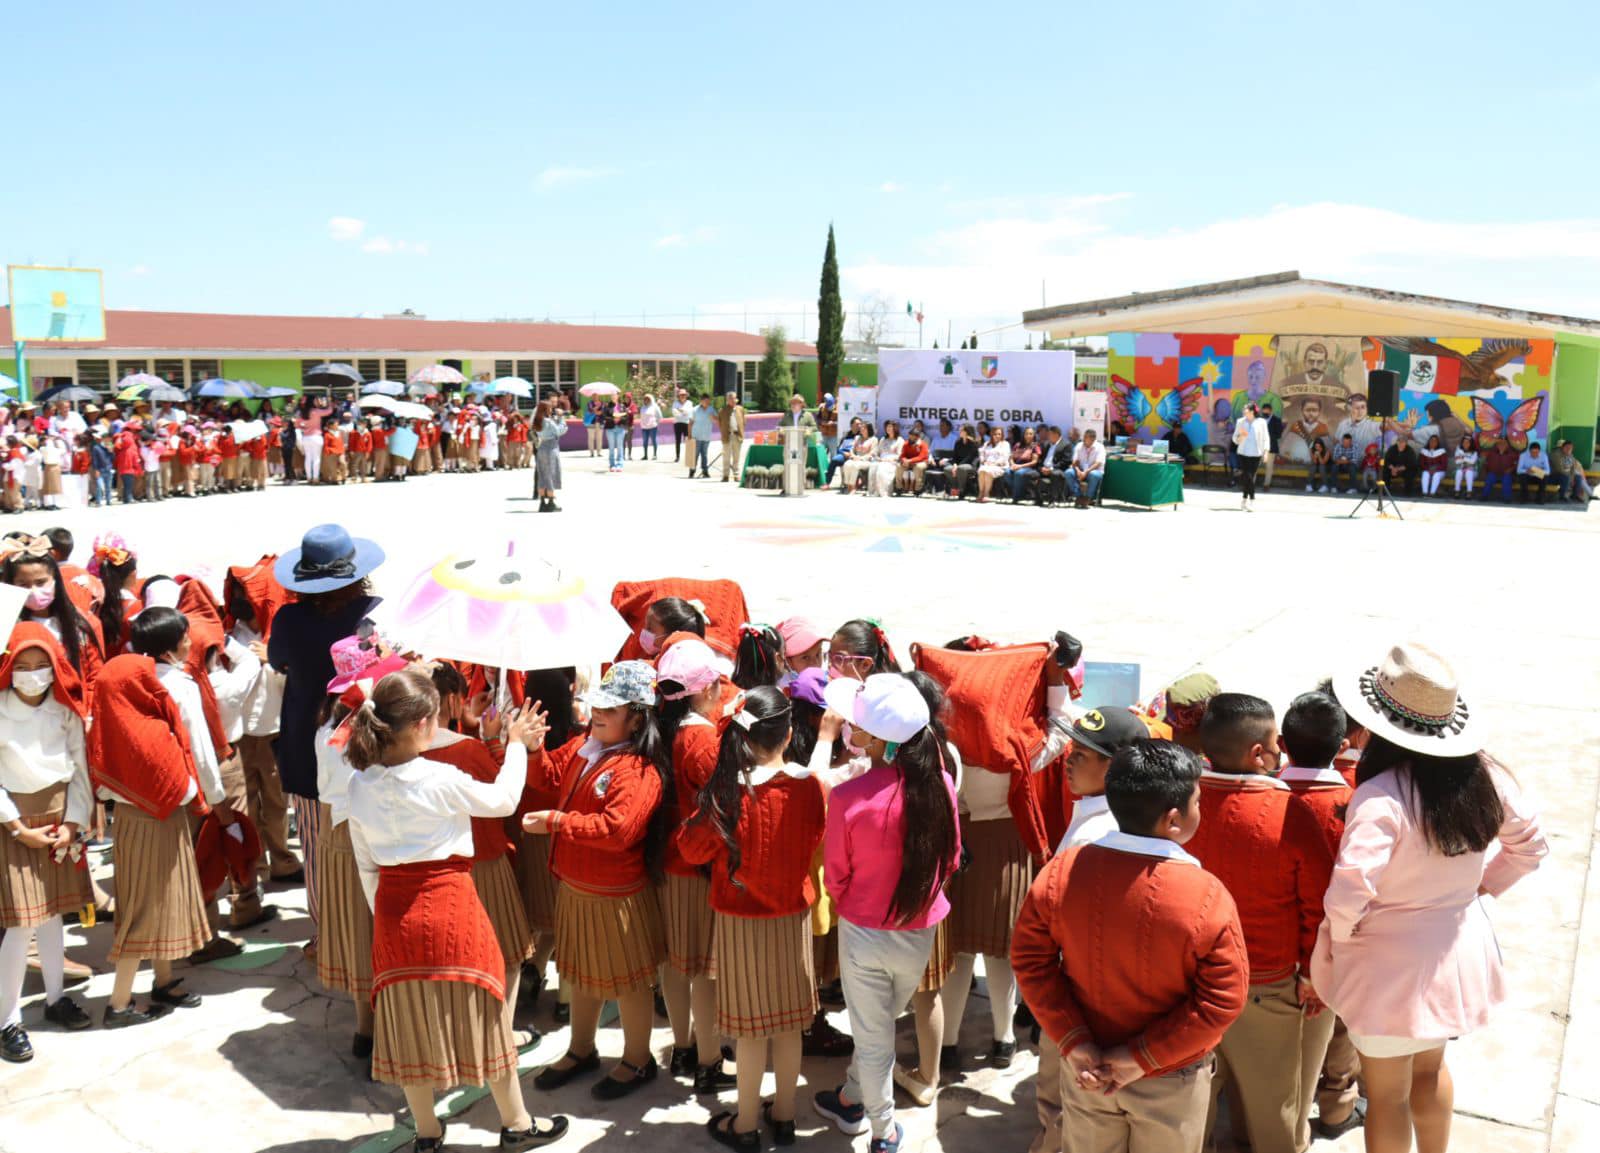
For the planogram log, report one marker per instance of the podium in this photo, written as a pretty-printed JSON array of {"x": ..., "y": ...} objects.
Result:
[{"x": 794, "y": 460}]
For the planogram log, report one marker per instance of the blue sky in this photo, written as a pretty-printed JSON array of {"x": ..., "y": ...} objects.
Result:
[{"x": 680, "y": 163}]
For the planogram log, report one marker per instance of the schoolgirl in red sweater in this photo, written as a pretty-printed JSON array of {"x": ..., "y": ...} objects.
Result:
[
  {"x": 608, "y": 837},
  {"x": 758, "y": 823}
]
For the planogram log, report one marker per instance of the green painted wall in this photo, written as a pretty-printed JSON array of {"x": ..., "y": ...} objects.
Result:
[
  {"x": 616, "y": 371},
  {"x": 267, "y": 373},
  {"x": 805, "y": 378},
  {"x": 1576, "y": 391},
  {"x": 864, "y": 373}
]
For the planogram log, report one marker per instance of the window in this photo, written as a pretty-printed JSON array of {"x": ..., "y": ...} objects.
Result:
[
  {"x": 370, "y": 369},
  {"x": 528, "y": 370},
  {"x": 171, "y": 371},
  {"x": 752, "y": 371},
  {"x": 567, "y": 371},
  {"x": 394, "y": 370},
  {"x": 95, "y": 374},
  {"x": 125, "y": 367},
  {"x": 307, "y": 365},
  {"x": 504, "y": 368},
  {"x": 667, "y": 370},
  {"x": 547, "y": 372},
  {"x": 204, "y": 370}
]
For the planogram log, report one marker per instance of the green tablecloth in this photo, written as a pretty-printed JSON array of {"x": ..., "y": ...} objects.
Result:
[
  {"x": 1149, "y": 483},
  {"x": 768, "y": 455}
]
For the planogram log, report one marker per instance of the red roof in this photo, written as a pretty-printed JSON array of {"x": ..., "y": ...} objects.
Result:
[{"x": 348, "y": 336}]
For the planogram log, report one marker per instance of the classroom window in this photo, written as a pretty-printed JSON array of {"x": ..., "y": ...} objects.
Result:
[
  {"x": 204, "y": 370},
  {"x": 567, "y": 371},
  {"x": 95, "y": 374},
  {"x": 171, "y": 371},
  {"x": 370, "y": 369},
  {"x": 125, "y": 367},
  {"x": 504, "y": 368},
  {"x": 528, "y": 370},
  {"x": 395, "y": 370},
  {"x": 547, "y": 372}
]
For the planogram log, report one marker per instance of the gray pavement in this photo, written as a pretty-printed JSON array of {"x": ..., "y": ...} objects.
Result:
[{"x": 1269, "y": 602}]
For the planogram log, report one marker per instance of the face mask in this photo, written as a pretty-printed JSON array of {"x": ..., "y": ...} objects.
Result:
[
  {"x": 41, "y": 597},
  {"x": 648, "y": 642},
  {"x": 33, "y": 682},
  {"x": 848, "y": 732}
]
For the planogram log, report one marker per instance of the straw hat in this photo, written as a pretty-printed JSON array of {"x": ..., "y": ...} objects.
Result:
[{"x": 1411, "y": 699}]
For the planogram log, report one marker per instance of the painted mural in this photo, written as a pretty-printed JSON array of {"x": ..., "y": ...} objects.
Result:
[{"x": 1450, "y": 386}]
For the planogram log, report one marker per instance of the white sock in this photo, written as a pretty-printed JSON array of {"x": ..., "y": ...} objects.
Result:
[
  {"x": 52, "y": 958},
  {"x": 13, "y": 968},
  {"x": 1002, "y": 997},
  {"x": 954, "y": 995}
]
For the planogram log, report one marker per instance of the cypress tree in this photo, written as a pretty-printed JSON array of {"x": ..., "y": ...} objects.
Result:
[{"x": 830, "y": 321}]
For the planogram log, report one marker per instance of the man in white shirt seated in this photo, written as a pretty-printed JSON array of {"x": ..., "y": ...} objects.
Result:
[{"x": 1088, "y": 470}]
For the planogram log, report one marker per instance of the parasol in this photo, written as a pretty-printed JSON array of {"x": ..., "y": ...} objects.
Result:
[
  {"x": 511, "y": 386},
  {"x": 600, "y": 388},
  {"x": 381, "y": 403},
  {"x": 327, "y": 375},
  {"x": 436, "y": 374},
  {"x": 383, "y": 388},
  {"x": 409, "y": 410},
  {"x": 506, "y": 609},
  {"x": 221, "y": 389}
]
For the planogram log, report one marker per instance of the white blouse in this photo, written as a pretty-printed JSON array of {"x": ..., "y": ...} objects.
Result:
[
  {"x": 187, "y": 694},
  {"x": 991, "y": 455},
  {"x": 333, "y": 777},
  {"x": 422, "y": 810},
  {"x": 889, "y": 449},
  {"x": 41, "y": 747}
]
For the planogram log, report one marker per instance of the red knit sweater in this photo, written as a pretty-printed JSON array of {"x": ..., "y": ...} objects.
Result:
[
  {"x": 1273, "y": 858},
  {"x": 1327, "y": 804},
  {"x": 1118, "y": 948},
  {"x": 602, "y": 814},
  {"x": 489, "y": 841},
  {"x": 780, "y": 826},
  {"x": 694, "y": 758}
]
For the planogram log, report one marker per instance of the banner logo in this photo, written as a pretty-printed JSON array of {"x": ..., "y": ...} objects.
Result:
[{"x": 990, "y": 366}]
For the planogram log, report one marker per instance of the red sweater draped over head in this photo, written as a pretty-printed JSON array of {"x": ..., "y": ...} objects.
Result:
[
  {"x": 724, "y": 608},
  {"x": 68, "y": 687},
  {"x": 261, "y": 589},
  {"x": 137, "y": 746},
  {"x": 206, "y": 635}
]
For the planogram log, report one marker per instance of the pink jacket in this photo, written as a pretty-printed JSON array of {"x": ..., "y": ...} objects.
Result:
[
  {"x": 863, "y": 846},
  {"x": 1407, "y": 949}
]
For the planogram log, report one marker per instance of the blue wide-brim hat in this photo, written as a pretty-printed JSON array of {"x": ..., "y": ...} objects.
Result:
[{"x": 328, "y": 558}]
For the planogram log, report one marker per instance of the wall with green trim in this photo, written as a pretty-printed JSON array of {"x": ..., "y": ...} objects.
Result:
[
  {"x": 266, "y": 373},
  {"x": 1575, "y": 395}
]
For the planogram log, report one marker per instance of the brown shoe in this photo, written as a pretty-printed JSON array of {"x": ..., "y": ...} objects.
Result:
[{"x": 216, "y": 949}]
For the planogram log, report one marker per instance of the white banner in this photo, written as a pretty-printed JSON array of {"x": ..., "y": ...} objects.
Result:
[
  {"x": 857, "y": 402},
  {"x": 965, "y": 387},
  {"x": 1089, "y": 411}
]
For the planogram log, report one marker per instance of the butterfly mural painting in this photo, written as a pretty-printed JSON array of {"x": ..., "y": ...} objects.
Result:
[
  {"x": 1514, "y": 426},
  {"x": 1132, "y": 407}
]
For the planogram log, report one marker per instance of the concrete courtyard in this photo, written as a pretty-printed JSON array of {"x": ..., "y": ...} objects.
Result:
[{"x": 1268, "y": 602}]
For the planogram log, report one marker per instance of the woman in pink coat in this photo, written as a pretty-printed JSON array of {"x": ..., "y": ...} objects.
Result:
[{"x": 1407, "y": 955}]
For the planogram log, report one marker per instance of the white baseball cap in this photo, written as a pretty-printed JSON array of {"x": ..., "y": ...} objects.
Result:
[{"x": 886, "y": 705}]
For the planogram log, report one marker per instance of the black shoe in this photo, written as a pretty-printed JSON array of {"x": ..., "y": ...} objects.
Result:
[
  {"x": 552, "y": 1078},
  {"x": 14, "y": 1045},
  {"x": 67, "y": 1013},
  {"x": 721, "y": 1129},
  {"x": 361, "y": 1045},
  {"x": 949, "y": 1058},
  {"x": 1000, "y": 1054},
  {"x": 429, "y": 1144},
  {"x": 823, "y": 1040},
  {"x": 1357, "y": 1118},
  {"x": 543, "y": 1131},
  {"x": 132, "y": 1015},
  {"x": 682, "y": 1062},
  {"x": 562, "y": 1013},
  {"x": 832, "y": 994},
  {"x": 166, "y": 995},
  {"x": 782, "y": 1131},
  {"x": 608, "y": 1088},
  {"x": 713, "y": 1079}
]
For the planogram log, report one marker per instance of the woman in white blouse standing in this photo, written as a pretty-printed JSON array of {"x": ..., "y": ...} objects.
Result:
[
  {"x": 1252, "y": 440},
  {"x": 994, "y": 460},
  {"x": 886, "y": 460},
  {"x": 438, "y": 976}
]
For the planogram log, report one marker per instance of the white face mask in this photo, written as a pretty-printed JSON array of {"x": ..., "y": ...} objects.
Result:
[
  {"x": 33, "y": 682},
  {"x": 41, "y": 597}
]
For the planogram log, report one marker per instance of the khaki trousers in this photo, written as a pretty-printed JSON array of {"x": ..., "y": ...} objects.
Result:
[
  {"x": 1047, "y": 1099},
  {"x": 1261, "y": 1062},
  {"x": 1164, "y": 1114},
  {"x": 1340, "y": 1083},
  {"x": 732, "y": 447},
  {"x": 268, "y": 807}
]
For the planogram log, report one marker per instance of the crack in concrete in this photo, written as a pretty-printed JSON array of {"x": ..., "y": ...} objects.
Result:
[{"x": 87, "y": 1101}]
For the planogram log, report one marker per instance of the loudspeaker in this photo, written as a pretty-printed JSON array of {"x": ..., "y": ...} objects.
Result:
[
  {"x": 724, "y": 378},
  {"x": 1383, "y": 392}
]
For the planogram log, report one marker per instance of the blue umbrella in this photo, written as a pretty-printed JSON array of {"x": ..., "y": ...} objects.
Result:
[
  {"x": 278, "y": 392},
  {"x": 220, "y": 389},
  {"x": 68, "y": 392},
  {"x": 383, "y": 388},
  {"x": 7, "y": 384}
]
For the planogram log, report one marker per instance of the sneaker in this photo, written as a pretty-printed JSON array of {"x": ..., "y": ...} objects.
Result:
[
  {"x": 1310, "y": 489},
  {"x": 1324, "y": 488},
  {"x": 890, "y": 1144},
  {"x": 67, "y": 1013},
  {"x": 850, "y": 1120}
]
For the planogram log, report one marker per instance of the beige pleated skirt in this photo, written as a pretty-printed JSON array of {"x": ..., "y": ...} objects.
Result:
[
  {"x": 440, "y": 1034},
  {"x": 161, "y": 912},
  {"x": 688, "y": 921},
  {"x": 344, "y": 936},
  {"x": 33, "y": 886},
  {"x": 608, "y": 945},
  {"x": 940, "y": 960},
  {"x": 537, "y": 883},
  {"x": 496, "y": 883},
  {"x": 766, "y": 982},
  {"x": 986, "y": 897}
]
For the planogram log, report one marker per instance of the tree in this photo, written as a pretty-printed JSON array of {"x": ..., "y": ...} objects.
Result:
[
  {"x": 872, "y": 320},
  {"x": 692, "y": 376},
  {"x": 830, "y": 321},
  {"x": 774, "y": 385}
]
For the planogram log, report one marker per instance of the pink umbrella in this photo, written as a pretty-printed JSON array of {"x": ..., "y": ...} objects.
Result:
[
  {"x": 505, "y": 609},
  {"x": 600, "y": 388},
  {"x": 436, "y": 374}
]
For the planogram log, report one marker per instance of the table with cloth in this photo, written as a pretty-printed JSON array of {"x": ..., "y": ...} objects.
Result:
[{"x": 1149, "y": 483}]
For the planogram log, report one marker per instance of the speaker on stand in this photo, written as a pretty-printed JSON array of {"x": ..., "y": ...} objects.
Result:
[{"x": 1383, "y": 402}]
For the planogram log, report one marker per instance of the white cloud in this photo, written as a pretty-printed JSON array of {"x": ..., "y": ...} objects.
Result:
[
  {"x": 891, "y": 187},
  {"x": 994, "y": 265},
  {"x": 346, "y": 227},
  {"x": 380, "y": 245},
  {"x": 139, "y": 270},
  {"x": 558, "y": 176},
  {"x": 700, "y": 235}
]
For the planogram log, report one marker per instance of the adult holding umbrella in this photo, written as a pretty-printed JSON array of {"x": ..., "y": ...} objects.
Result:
[{"x": 328, "y": 574}]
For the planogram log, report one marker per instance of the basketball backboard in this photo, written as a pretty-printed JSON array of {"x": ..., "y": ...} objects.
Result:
[{"x": 55, "y": 304}]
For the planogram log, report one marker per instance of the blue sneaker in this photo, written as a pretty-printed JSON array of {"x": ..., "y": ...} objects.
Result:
[
  {"x": 848, "y": 1119},
  {"x": 887, "y": 1144}
]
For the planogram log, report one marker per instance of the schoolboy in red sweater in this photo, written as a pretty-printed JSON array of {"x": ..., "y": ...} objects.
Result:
[
  {"x": 1315, "y": 736},
  {"x": 1274, "y": 859},
  {"x": 1135, "y": 993}
]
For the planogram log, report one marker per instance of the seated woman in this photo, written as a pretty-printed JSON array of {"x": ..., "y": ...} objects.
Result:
[
  {"x": 953, "y": 469},
  {"x": 886, "y": 460},
  {"x": 1434, "y": 459},
  {"x": 842, "y": 450},
  {"x": 859, "y": 461},
  {"x": 1321, "y": 473},
  {"x": 1466, "y": 462},
  {"x": 994, "y": 461},
  {"x": 1024, "y": 464}
]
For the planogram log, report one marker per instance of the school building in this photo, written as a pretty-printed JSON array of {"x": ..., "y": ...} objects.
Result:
[{"x": 188, "y": 347}]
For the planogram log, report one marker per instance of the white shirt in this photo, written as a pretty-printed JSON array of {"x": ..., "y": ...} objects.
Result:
[
  {"x": 761, "y": 775},
  {"x": 1158, "y": 847},
  {"x": 264, "y": 702},
  {"x": 333, "y": 776},
  {"x": 1091, "y": 820},
  {"x": 1244, "y": 780},
  {"x": 1327, "y": 776},
  {"x": 41, "y": 747},
  {"x": 187, "y": 694},
  {"x": 1257, "y": 438},
  {"x": 889, "y": 448},
  {"x": 683, "y": 412},
  {"x": 1088, "y": 458},
  {"x": 233, "y": 686},
  {"x": 422, "y": 810},
  {"x": 982, "y": 793}
]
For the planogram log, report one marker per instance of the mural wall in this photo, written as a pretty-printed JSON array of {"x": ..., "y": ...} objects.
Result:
[{"x": 1450, "y": 386}]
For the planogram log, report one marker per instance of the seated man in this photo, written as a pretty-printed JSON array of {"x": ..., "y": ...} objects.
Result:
[
  {"x": 1570, "y": 481},
  {"x": 913, "y": 462},
  {"x": 1402, "y": 467},
  {"x": 1053, "y": 466},
  {"x": 1533, "y": 469},
  {"x": 1344, "y": 463},
  {"x": 1088, "y": 470},
  {"x": 841, "y": 453},
  {"x": 1499, "y": 466}
]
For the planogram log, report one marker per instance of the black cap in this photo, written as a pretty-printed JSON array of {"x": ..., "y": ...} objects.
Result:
[{"x": 1108, "y": 730}]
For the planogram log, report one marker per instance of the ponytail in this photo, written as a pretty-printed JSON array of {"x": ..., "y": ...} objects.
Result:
[
  {"x": 113, "y": 624},
  {"x": 756, "y": 731},
  {"x": 647, "y": 743},
  {"x": 400, "y": 700},
  {"x": 759, "y": 658},
  {"x": 929, "y": 851}
]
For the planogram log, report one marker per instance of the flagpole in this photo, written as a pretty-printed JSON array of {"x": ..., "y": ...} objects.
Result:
[{"x": 919, "y": 324}]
